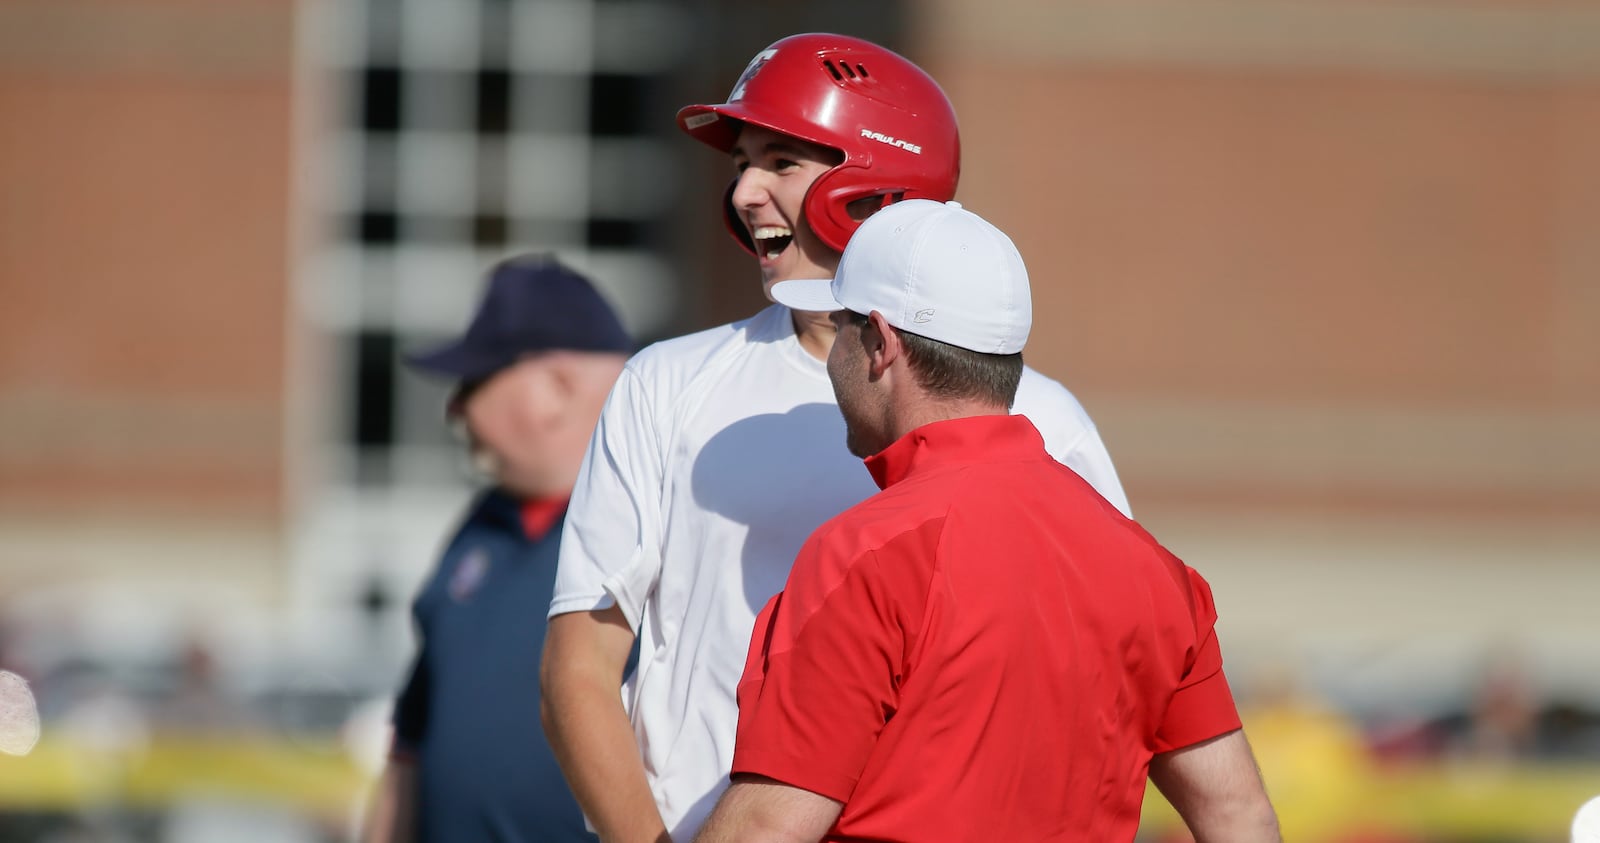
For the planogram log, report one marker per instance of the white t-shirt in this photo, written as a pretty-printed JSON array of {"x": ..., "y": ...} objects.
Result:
[{"x": 716, "y": 456}]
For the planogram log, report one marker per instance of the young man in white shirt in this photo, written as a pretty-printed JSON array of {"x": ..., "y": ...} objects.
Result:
[{"x": 719, "y": 452}]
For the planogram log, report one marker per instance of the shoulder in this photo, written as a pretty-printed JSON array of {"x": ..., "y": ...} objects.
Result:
[
  {"x": 680, "y": 354},
  {"x": 672, "y": 362},
  {"x": 1070, "y": 436},
  {"x": 887, "y": 545},
  {"x": 1055, "y": 411},
  {"x": 1040, "y": 394},
  {"x": 885, "y": 519},
  {"x": 487, "y": 516}
]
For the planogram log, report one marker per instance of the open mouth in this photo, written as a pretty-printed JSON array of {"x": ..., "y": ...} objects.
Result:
[{"x": 771, "y": 240}]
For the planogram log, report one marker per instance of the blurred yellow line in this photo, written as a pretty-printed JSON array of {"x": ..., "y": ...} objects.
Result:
[{"x": 1533, "y": 801}]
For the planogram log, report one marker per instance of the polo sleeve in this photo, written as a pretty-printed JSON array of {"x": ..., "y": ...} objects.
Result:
[
  {"x": 411, "y": 710},
  {"x": 821, "y": 680},
  {"x": 611, "y": 542},
  {"x": 1203, "y": 706}
]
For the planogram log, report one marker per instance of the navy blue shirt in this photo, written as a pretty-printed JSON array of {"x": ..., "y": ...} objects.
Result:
[{"x": 469, "y": 714}]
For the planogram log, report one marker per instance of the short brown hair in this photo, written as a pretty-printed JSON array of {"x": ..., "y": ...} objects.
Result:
[{"x": 950, "y": 371}]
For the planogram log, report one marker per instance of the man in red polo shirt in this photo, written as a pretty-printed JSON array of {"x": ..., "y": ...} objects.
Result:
[{"x": 986, "y": 649}]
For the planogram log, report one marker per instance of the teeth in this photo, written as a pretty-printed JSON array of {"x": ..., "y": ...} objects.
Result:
[
  {"x": 764, "y": 232},
  {"x": 772, "y": 256}
]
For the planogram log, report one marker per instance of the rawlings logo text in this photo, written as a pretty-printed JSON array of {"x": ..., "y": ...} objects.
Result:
[{"x": 883, "y": 138}]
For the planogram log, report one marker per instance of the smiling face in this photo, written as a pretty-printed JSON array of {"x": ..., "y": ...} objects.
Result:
[
  {"x": 775, "y": 171},
  {"x": 528, "y": 425}
]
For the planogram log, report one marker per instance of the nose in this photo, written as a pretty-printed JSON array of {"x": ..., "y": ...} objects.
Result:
[{"x": 750, "y": 189}]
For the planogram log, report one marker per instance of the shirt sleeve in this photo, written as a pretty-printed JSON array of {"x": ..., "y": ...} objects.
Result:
[
  {"x": 611, "y": 542},
  {"x": 1203, "y": 706},
  {"x": 411, "y": 710},
  {"x": 822, "y": 676}
]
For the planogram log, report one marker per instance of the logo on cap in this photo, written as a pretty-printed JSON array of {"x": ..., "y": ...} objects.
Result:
[
  {"x": 750, "y": 72},
  {"x": 923, "y": 316}
]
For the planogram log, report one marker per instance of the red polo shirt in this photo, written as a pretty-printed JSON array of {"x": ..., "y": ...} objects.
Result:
[{"x": 985, "y": 650}]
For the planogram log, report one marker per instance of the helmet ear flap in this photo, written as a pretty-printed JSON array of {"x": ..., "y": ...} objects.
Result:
[
  {"x": 827, "y": 206},
  {"x": 828, "y": 203},
  {"x": 827, "y": 211},
  {"x": 730, "y": 218}
]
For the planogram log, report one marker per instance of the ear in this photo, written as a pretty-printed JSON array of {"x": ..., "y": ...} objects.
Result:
[{"x": 882, "y": 344}]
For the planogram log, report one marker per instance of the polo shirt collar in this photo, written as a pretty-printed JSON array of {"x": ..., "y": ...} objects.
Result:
[
  {"x": 996, "y": 438},
  {"x": 532, "y": 518},
  {"x": 539, "y": 515}
]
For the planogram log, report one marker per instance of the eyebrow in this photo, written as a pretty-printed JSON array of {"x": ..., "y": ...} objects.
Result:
[{"x": 778, "y": 147}]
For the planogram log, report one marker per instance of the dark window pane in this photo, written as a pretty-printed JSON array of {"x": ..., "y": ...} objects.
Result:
[
  {"x": 615, "y": 233},
  {"x": 494, "y": 101},
  {"x": 617, "y": 105},
  {"x": 380, "y": 99},
  {"x": 490, "y": 230},
  {"x": 375, "y": 361},
  {"x": 378, "y": 227}
]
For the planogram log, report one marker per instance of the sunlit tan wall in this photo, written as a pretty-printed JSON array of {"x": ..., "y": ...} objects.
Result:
[
  {"x": 144, "y": 190},
  {"x": 143, "y": 254},
  {"x": 1327, "y": 275},
  {"x": 1326, "y": 255}
]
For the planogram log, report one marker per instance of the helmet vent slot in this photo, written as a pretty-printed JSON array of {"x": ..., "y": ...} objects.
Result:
[{"x": 842, "y": 71}]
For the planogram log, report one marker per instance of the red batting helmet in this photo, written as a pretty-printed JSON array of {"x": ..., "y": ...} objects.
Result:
[{"x": 890, "y": 119}]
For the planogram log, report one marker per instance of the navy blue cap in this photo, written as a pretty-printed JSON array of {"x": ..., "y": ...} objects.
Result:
[{"x": 533, "y": 303}]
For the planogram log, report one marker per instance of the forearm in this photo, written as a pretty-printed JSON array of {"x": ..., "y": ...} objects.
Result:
[
  {"x": 1242, "y": 822},
  {"x": 581, "y": 709},
  {"x": 761, "y": 810},
  {"x": 743, "y": 827},
  {"x": 391, "y": 812},
  {"x": 738, "y": 827},
  {"x": 593, "y": 741},
  {"x": 1217, "y": 789}
]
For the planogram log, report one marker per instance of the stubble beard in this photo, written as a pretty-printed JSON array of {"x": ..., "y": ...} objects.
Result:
[
  {"x": 853, "y": 441},
  {"x": 858, "y": 435}
]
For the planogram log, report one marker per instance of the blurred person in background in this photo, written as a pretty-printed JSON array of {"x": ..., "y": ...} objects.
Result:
[
  {"x": 200, "y": 703},
  {"x": 719, "y": 452},
  {"x": 1507, "y": 718},
  {"x": 468, "y": 760},
  {"x": 1501, "y": 722}
]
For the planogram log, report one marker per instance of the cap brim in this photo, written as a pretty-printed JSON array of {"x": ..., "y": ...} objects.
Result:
[
  {"x": 813, "y": 294},
  {"x": 717, "y": 126},
  {"x": 710, "y": 125},
  {"x": 456, "y": 360}
]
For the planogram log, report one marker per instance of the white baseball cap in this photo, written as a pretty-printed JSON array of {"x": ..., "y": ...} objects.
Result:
[{"x": 933, "y": 269}]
